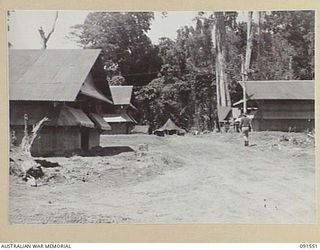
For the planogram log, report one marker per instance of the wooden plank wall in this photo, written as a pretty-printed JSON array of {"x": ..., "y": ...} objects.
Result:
[
  {"x": 52, "y": 140},
  {"x": 94, "y": 138},
  {"x": 284, "y": 115},
  {"x": 296, "y": 125},
  {"x": 118, "y": 128}
]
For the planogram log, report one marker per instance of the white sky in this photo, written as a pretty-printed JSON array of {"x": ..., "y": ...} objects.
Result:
[{"x": 24, "y": 27}]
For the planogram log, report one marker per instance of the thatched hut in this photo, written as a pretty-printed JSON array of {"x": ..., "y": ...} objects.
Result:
[
  {"x": 67, "y": 86},
  {"x": 281, "y": 105}
]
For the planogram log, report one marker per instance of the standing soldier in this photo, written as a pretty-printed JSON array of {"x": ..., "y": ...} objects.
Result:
[{"x": 244, "y": 125}]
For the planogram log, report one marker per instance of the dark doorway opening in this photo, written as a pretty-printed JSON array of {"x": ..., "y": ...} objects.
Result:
[{"x": 84, "y": 138}]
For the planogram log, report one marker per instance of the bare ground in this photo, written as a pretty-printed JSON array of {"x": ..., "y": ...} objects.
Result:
[{"x": 209, "y": 178}]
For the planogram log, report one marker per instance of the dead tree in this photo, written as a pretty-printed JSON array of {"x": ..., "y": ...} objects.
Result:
[
  {"x": 29, "y": 167},
  {"x": 27, "y": 139},
  {"x": 45, "y": 38}
]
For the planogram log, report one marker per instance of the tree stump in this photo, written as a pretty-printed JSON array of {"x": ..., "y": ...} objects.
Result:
[{"x": 142, "y": 149}]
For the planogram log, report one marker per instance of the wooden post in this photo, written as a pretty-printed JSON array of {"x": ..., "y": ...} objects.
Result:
[{"x": 244, "y": 98}]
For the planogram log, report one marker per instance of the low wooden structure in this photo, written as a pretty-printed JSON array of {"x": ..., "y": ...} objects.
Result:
[
  {"x": 286, "y": 105},
  {"x": 67, "y": 86}
]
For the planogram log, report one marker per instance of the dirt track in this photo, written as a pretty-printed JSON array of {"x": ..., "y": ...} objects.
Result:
[{"x": 192, "y": 179}]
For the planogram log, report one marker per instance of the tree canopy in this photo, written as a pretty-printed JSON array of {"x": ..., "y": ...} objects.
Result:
[
  {"x": 177, "y": 78},
  {"x": 127, "y": 50}
]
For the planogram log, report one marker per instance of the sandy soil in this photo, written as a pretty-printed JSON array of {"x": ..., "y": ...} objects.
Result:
[{"x": 208, "y": 178}]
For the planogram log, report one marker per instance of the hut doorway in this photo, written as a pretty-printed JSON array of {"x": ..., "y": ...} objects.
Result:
[{"x": 84, "y": 138}]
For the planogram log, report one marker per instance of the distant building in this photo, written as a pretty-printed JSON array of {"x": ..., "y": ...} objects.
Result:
[
  {"x": 224, "y": 114},
  {"x": 119, "y": 117},
  {"x": 286, "y": 105},
  {"x": 67, "y": 86},
  {"x": 169, "y": 128}
]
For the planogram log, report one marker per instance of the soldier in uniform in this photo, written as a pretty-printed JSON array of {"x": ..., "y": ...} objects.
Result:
[{"x": 244, "y": 126}]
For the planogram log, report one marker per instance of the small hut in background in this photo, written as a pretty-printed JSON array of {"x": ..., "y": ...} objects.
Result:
[
  {"x": 224, "y": 116},
  {"x": 169, "y": 128},
  {"x": 119, "y": 117},
  {"x": 67, "y": 86},
  {"x": 284, "y": 105}
]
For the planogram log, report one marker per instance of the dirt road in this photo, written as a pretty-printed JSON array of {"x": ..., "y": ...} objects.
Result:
[{"x": 210, "y": 178}]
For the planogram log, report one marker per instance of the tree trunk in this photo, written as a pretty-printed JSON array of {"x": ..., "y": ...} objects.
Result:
[
  {"x": 223, "y": 95},
  {"x": 196, "y": 107},
  {"x": 28, "y": 140},
  {"x": 259, "y": 65},
  {"x": 246, "y": 68},
  {"x": 44, "y": 38},
  {"x": 249, "y": 42}
]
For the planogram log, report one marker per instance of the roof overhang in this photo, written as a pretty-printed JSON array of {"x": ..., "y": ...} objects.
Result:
[
  {"x": 60, "y": 116},
  {"x": 115, "y": 118},
  {"x": 99, "y": 121}
]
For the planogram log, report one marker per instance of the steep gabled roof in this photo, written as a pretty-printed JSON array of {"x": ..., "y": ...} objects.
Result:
[
  {"x": 49, "y": 75},
  {"x": 280, "y": 90},
  {"x": 121, "y": 95},
  {"x": 89, "y": 89}
]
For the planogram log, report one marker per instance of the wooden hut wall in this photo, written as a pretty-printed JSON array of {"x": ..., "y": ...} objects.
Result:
[
  {"x": 94, "y": 138},
  {"x": 294, "y": 125},
  {"x": 56, "y": 141},
  {"x": 283, "y": 115},
  {"x": 118, "y": 128}
]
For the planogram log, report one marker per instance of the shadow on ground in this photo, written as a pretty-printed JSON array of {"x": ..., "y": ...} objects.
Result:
[
  {"x": 106, "y": 151},
  {"x": 96, "y": 151}
]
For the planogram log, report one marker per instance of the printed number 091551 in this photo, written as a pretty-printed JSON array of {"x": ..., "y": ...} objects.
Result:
[{"x": 308, "y": 245}]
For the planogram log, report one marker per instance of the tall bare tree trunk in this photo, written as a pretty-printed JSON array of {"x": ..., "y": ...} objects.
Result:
[
  {"x": 196, "y": 108},
  {"x": 223, "y": 95},
  {"x": 259, "y": 40},
  {"x": 246, "y": 67},
  {"x": 249, "y": 41}
]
